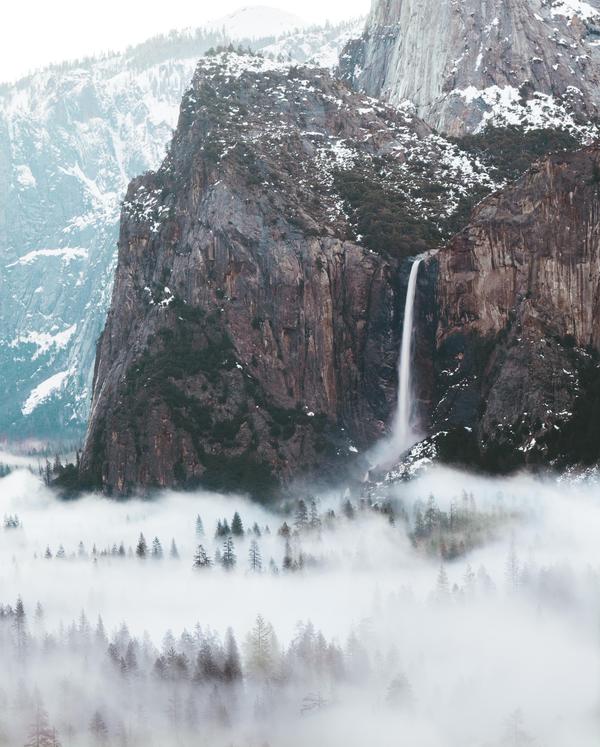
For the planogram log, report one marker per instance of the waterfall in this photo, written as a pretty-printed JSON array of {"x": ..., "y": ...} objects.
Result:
[
  {"x": 402, "y": 432},
  {"x": 402, "y": 435}
]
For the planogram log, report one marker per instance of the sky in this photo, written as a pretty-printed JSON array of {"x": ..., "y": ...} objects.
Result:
[{"x": 35, "y": 33}]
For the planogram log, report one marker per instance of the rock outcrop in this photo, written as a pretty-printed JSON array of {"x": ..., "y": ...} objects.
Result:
[
  {"x": 253, "y": 333},
  {"x": 518, "y": 330},
  {"x": 465, "y": 63}
]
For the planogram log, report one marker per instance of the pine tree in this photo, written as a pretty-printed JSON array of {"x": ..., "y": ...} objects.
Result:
[
  {"x": 288, "y": 561},
  {"x": 254, "y": 557},
  {"x": 201, "y": 559},
  {"x": 237, "y": 528},
  {"x": 315, "y": 520},
  {"x": 199, "y": 527},
  {"x": 100, "y": 633},
  {"x": 419, "y": 524},
  {"x": 228, "y": 558},
  {"x": 469, "y": 580},
  {"x": 142, "y": 548},
  {"x": 232, "y": 668},
  {"x": 431, "y": 517},
  {"x": 207, "y": 668},
  {"x": 39, "y": 615},
  {"x": 98, "y": 729},
  {"x": 512, "y": 568},
  {"x": 41, "y": 734},
  {"x": 301, "y": 518},
  {"x": 515, "y": 734},
  {"x": 20, "y": 628},
  {"x": 157, "y": 551},
  {"x": 174, "y": 552},
  {"x": 442, "y": 587},
  {"x": 261, "y": 647}
]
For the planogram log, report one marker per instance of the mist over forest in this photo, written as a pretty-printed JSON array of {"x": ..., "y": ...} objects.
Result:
[
  {"x": 465, "y": 613},
  {"x": 300, "y": 380}
]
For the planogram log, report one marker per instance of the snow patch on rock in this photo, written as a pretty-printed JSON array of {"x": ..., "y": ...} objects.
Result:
[{"x": 44, "y": 391}]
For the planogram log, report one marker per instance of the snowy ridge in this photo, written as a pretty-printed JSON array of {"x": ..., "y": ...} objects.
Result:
[
  {"x": 256, "y": 22},
  {"x": 503, "y": 106}
]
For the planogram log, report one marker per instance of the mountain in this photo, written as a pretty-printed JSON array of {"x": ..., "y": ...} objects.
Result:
[
  {"x": 256, "y": 22},
  {"x": 468, "y": 64},
  {"x": 71, "y": 138},
  {"x": 255, "y": 319}
]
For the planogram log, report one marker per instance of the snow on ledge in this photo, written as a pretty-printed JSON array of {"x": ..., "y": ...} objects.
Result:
[
  {"x": 45, "y": 341},
  {"x": 571, "y": 8},
  {"x": 67, "y": 254},
  {"x": 44, "y": 391}
]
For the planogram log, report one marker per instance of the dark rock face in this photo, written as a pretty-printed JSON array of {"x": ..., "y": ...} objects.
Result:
[
  {"x": 462, "y": 63},
  {"x": 252, "y": 337},
  {"x": 518, "y": 303}
]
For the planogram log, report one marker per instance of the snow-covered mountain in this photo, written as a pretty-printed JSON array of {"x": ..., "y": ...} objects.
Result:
[
  {"x": 71, "y": 138},
  {"x": 256, "y": 22}
]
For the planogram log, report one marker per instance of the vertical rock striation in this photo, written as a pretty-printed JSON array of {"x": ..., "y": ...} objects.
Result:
[
  {"x": 463, "y": 63},
  {"x": 518, "y": 295}
]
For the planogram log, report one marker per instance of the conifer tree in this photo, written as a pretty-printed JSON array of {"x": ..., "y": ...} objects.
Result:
[
  {"x": 228, "y": 558},
  {"x": 261, "y": 648},
  {"x": 232, "y": 668},
  {"x": 288, "y": 561},
  {"x": 20, "y": 628},
  {"x": 201, "y": 559},
  {"x": 142, "y": 548},
  {"x": 348, "y": 509},
  {"x": 174, "y": 552},
  {"x": 237, "y": 528},
  {"x": 199, "y": 527},
  {"x": 442, "y": 587},
  {"x": 41, "y": 734},
  {"x": 301, "y": 517},
  {"x": 98, "y": 729},
  {"x": 254, "y": 557},
  {"x": 315, "y": 520},
  {"x": 157, "y": 551},
  {"x": 207, "y": 668}
]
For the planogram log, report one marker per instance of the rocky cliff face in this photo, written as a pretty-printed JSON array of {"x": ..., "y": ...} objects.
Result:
[
  {"x": 253, "y": 331},
  {"x": 71, "y": 138},
  {"x": 466, "y": 63},
  {"x": 518, "y": 332}
]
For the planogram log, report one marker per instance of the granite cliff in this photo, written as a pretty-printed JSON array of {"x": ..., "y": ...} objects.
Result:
[
  {"x": 254, "y": 324},
  {"x": 518, "y": 321},
  {"x": 465, "y": 64}
]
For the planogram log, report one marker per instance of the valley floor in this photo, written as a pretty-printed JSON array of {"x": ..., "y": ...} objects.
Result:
[{"x": 453, "y": 610}]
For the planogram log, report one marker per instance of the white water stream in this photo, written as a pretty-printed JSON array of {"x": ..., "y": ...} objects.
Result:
[{"x": 403, "y": 434}]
